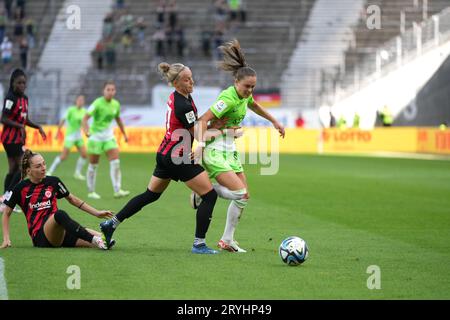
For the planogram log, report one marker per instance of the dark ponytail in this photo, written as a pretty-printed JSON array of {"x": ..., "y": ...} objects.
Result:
[{"x": 234, "y": 60}]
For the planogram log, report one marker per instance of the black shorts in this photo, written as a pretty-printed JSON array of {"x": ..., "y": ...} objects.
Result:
[
  {"x": 13, "y": 150},
  {"x": 41, "y": 241},
  {"x": 166, "y": 169}
]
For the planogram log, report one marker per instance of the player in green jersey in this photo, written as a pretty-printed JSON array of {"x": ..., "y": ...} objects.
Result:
[
  {"x": 220, "y": 156},
  {"x": 101, "y": 139},
  {"x": 73, "y": 116}
]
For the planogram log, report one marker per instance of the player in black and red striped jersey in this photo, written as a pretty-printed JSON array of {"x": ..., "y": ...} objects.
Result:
[
  {"x": 14, "y": 119},
  {"x": 48, "y": 226},
  {"x": 173, "y": 159}
]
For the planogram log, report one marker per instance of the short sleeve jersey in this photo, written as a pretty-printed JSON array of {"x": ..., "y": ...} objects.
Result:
[
  {"x": 74, "y": 117},
  {"x": 37, "y": 201},
  {"x": 15, "y": 108},
  {"x": 233, "y": 107},
  {"x": 103, "y": 113}
]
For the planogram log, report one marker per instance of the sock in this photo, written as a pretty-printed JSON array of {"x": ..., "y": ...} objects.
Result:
[
  {"x": 204, "y": 213},
  {"x": 7, "y": 182},
  {"x": 55, "y": 164},
  {"x": 14, "y": 180},
  {"x": 91, "y": 175},
  {"x": 72, "y": 227},
  {"x": 226, "y": 193},
  {"x": 115, "y": 222},
  {"x": 116, "y": 175},
  {"x": 80, "y": 164},
  {"x": 199, "y": 241},
  {"x": 136, "y": 204},
  {"x": 234, "y": 212}
]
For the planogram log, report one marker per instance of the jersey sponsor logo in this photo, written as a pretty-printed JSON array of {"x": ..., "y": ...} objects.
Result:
[
  {"x": 220, "y": 106},
  {"x": 9, "y": 104},
  {"x": 40, "y": 205},
  {"x": 190, "y": 117}
]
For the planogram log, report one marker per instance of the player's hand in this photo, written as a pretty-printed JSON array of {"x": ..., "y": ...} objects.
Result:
[
  {"x": 219, "y": 123},
  {"x": 5, "y": 244},
  {"x": 42, "y": 132},
  {"x": 280, "y": 128},
  {"x": 125, "y": 138},
  {"x": 104, "y": 214}
]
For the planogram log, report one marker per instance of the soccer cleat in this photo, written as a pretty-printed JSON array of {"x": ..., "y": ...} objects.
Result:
[
  {"x": 79, "y": 176},
  {"x": 107, "y": 229},
  {"x": 196, "y": 200},
  {"x": 203, "y": 249},
  {"x": 99, "y": 242},
  {"x": 121, "y": 193},
  {"x": 94, "y": 195},
  {"x": 231, "y": 247}
]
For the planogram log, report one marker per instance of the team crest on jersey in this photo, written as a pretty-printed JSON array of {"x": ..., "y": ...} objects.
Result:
[
  {"x": 9, "y": 104},
  {"x": 190, "y": 117},
  {"x": 48, "y": 193},
  {"x": 220, "y": 106}
]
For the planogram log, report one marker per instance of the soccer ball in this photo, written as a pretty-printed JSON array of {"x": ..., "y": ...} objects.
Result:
[{"x": 293, "y": 251}]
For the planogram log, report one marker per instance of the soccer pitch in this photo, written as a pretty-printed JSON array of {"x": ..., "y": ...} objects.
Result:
[{"x": 357, "y": 214}]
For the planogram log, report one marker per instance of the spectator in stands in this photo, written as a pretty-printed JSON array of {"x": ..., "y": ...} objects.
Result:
[
  {"x": 99, "y": 54},
  {"x": 8, "y": 8},
  {"x": 342, "y": 123},
  {"x": 356, "y": 120},
  {"x": 300, "y": 122},
  {"x": 160, "y": 13},
  {"x": 108, "y": 25},
  {"x": 3, "y": 19},
  {"x": 127, "y": 41},
  {"x": 218, "y": 40},
  {"x": 179, "y": 36},
  {"x": 172, "y": 11},
  {"x": 30, "y": 30},
  {"x": 141, "y": 26},
  {"x": 23, "y": 49},
  {"x": 206, "y": 43},
  {"x": 6, "y": 48},
  {"x": 235, "y": 10},
  {"x": 120, "y": 4},
  {"x": 170, "y": 35},
  {"x": 110, "y": 53},
  {"x": 159, "y": 37},
  {"x": 18, "y": 25},
  {"x": 21, "y": 7},
  {"x": 220, "y": 14}
]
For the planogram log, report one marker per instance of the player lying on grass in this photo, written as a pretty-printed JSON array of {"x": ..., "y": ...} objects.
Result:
[{"x": 48, "y": 226}]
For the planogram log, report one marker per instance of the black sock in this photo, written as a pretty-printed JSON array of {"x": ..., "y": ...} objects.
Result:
[
  {"x": 204, "y": 213},
  {"x": 15, "y": 179},
  {"x": 72, "y": 227},
  {"x": 7, "y": 182},
  {"x": 136, "y": 204}
]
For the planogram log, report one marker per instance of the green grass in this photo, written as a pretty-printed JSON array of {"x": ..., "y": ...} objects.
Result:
[{"x": 353, "y": 212}]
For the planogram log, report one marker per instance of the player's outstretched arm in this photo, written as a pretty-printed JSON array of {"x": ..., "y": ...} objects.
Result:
[
  {"x": 82, "y": 205},
  {"x": 260, "y": 111},
  {"x": 36, "y": 126},
  {"x": 5, "y": 226},
  {"x": 84, "y": 124}
]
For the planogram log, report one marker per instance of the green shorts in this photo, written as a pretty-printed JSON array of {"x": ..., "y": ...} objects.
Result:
[
  {"x": 70, "y": 143},
  {"x": 99, "y": 147},
  {"x": 217, "y": 162}
]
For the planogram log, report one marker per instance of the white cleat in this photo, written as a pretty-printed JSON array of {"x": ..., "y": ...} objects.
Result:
[
  {"x": 121, "y": 193},
  {"x": 195, "y": 200},
  {"x": 99, "y": 242},
  {"x": 94, "y": 195},
  {"x": 231, "y": 247},
  {"x": 79, "y": 176}
]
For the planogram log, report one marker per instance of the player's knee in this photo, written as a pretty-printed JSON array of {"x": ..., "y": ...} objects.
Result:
[
  {"x": 61, "y": 217},
  {"x": 210, "y": 197},
  {"x": 150, "y": 196},
  {"x": 239, "y": 194}
]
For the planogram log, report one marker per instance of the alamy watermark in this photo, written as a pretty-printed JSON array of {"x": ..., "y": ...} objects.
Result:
[
  {"x": 74, "y": 280},
  {"x": 374, "y": 280},
  {"x": 73, "y": 21}
]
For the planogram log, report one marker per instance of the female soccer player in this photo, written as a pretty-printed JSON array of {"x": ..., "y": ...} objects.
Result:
[
  {"x": 47, "y": 225},
  {"x": 74, "y": 115},
  {"x": 173, "y": 159},
  {"x": 221, "y": 158},
  {"x": 101, "y": 139},
  {"x": 14, "y": 119}
]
